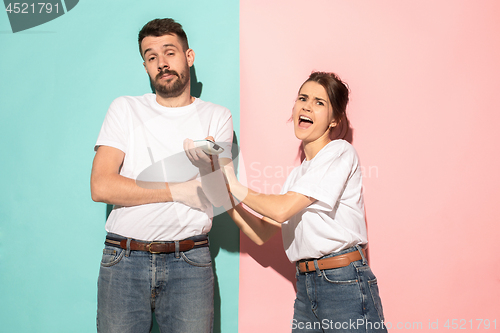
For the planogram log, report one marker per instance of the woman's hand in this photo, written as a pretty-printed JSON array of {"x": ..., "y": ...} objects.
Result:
[
  {"x": 238, "y": 190},
  {"x": 228, "y": 171}
]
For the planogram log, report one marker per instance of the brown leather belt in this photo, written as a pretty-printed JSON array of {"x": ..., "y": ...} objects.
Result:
[
  {"x": 331, "y": 262},
  {"x": 157, "y": 247}
]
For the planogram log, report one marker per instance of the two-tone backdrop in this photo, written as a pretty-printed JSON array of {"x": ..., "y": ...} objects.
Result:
[{"x": 424, "y": 111}]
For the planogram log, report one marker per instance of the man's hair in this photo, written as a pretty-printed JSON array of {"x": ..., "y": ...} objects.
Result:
[{"x": 161, "y": 27}]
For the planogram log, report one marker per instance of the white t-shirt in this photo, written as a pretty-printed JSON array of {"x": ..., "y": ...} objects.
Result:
[
  {"x": 334, "y": 222},
  {"x": 152, "y": 136}
]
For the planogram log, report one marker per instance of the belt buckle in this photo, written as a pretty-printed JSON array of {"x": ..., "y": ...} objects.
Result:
[{"x": 148, "y": 247}]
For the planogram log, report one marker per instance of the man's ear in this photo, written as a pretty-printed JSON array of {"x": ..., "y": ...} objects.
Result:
[{"x": 190, "y": 57}]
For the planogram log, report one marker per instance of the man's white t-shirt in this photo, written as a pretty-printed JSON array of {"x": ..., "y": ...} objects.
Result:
[
  {"x": 152, "y": 136},
  {"x": 334, "y": 222}
]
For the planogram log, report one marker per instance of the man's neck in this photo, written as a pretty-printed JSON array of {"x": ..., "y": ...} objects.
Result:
[{"x": 174, "y": 102}]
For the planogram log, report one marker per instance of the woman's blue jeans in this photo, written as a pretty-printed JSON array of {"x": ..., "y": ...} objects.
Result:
[
  {"x": 344, "y": 299},
  {"x": 178, "y": 287}
]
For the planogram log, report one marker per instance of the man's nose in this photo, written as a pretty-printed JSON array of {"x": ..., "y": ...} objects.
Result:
[{"x": 162, "y": 63}]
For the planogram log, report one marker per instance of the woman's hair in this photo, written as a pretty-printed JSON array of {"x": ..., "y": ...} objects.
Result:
[{"x": 338, "y": 94}]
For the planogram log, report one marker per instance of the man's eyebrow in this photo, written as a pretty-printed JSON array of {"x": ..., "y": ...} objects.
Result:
[{"x": 164, "y": 46}]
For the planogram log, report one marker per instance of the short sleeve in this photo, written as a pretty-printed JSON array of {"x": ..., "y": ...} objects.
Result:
[
  {"x": 113, "y": 130},
  {"x": 326, "y": 177},
  {"x": 224, "y": 133}
]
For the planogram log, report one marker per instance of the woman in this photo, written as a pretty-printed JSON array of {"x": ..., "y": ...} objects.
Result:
[{"x": 321, "y": 214}]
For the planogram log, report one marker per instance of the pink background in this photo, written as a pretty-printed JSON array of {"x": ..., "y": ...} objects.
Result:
[{"x": 424, "y": 108}]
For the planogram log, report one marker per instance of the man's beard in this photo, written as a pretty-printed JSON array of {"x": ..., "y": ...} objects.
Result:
[{"x": 166, "y": 90}]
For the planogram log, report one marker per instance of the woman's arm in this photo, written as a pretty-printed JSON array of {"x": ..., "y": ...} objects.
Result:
[
  {"x": 279, "y": 208},
  {"x": 258, "y": 230}
]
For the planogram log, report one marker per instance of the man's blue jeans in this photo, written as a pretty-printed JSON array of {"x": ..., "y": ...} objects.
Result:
[
  {"x": 178, "y": 287},
  {"x": 344, "y": 299}
]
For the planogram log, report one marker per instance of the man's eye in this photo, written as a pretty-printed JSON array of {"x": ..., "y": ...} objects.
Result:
[
  {"x": 302, "y": 99},
  {"x": 152, "y": 58}
]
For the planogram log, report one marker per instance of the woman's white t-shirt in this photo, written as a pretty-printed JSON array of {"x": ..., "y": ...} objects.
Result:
[{"x": 336, "y": 220}]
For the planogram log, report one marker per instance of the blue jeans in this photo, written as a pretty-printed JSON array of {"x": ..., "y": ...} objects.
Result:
[
  {"x": 344, "y": 299},
  {"x": 178, "y": 287}
]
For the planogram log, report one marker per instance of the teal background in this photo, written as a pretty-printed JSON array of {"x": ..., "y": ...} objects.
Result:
[{"x": 56, "y": 83}]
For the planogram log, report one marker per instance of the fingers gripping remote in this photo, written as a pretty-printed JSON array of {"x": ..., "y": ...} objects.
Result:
[{"x": 209, "y": 147}]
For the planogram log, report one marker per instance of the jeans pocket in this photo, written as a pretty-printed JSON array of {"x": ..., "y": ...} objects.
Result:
[
  {"x": 111, "y": 256},
  {"x": 370, "y": 278},
  {"x": 342, "y": 275},
  {"x": 376, "y": 298},
  {"x": 198, "y": 257}
]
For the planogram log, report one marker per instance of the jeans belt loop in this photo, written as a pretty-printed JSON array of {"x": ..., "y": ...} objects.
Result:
[
  {"x": 177, "y": 255},
  {"x": 317, "y": 267},
  {"x": 360, "y": 250},
  {"x": 127, "y": 253}
]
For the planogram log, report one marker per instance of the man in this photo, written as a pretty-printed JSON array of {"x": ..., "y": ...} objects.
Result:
[{"x": 156, "y": 255}]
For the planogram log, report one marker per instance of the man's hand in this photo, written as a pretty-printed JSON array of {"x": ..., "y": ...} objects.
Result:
[
  {"x": 191, "y": 194},
  {"x": 206, "y": 163},
  {"x": 212, "y": 179}
]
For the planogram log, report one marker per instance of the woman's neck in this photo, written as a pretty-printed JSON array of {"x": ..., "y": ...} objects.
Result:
[{"x": 313, "y": 147}]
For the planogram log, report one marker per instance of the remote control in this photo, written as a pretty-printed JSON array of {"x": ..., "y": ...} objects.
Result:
[{"x": 209, "y": 147}]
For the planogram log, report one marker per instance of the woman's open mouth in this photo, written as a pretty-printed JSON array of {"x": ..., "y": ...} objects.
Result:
[{"x": 305, "y": 122}]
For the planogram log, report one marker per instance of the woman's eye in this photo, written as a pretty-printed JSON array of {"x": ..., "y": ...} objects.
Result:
[{"x": 320, "y": 103}]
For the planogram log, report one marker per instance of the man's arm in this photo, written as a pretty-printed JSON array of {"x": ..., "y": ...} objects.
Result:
[{"x": 108, "y": 186}]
